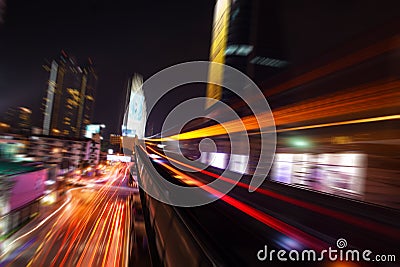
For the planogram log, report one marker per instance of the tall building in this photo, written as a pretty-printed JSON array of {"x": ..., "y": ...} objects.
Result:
[
  {"x": 246, "y": 36},
  {"x": 69, "y": 103},
  {"x": 217, "y": 53},
  {"x": 134, "y": 121},
  {"x": 115, "y": 139},
  {"x": 114, "y": 144},
  {"x": 24, "y": 122},
  {"x": 19, "y": 120},
  {"x": 89, "y": 79}
]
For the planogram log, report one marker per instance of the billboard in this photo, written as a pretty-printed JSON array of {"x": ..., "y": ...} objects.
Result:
[
  {"x": 282, "y": 169},
  {"x": 135, "y": 113},
  {"x": 28, "y": 187},
  {"x": 135, "y": 110},
  {"x": 119, "y": 158},
  {"x": 234, "y": 162},
  {"x": 340, "y": 174},
  {"x": 92, "y": 129}
]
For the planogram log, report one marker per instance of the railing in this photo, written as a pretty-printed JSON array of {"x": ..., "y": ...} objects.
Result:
[
  {"x": 18, "y": 217},
  {"x": 172, "y": 240}
]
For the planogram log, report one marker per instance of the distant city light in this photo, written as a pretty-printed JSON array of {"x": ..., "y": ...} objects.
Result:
[
  {"x": 5, "y": 125},
  {"x": 300, "y": 143},
  {"x": 49, "y": 182},
  {"x": 25, "y": 110}
]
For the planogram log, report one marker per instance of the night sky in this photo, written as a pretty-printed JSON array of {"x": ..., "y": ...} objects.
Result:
[{"x": 123, "y": 37}]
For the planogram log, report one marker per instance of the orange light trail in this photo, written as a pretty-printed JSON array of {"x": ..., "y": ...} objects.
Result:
[
  {"x": 376, "y": 119},
  {"x": 87, "y": 227},
  {"x": 319, "y": 209},
  {"x": 361, "y": 99},
  {"x": 371, "y": 51}
]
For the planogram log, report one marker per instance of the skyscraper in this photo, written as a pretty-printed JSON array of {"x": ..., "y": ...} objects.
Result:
[
  {"x": 19, "y": 120},
  {"x": 70, "y": 97},
  {"x": 246, "y": 36},
  {"x": 134, "y": 121},
  {"x": 218, "y": 48}
]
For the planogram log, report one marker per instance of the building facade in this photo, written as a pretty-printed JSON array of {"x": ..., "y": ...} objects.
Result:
[
  {"x": 18, "y": 120},
  {"x": 21, "y": 187},
  {"x": 70, "y": 97},
  {"x": 246, "y": 36},
  {"x": 134, "y": 121},
  {"x": 66, "y": 153}
]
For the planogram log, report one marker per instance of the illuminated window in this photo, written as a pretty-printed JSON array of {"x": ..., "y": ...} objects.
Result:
[
  {"x": 72, "y": 102},
  {"x": 239, "y": 50},
  {"x": 270, "y": 62}
]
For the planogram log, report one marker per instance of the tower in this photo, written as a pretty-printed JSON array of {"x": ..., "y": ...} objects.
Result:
[
  {"x": 134, "y": 121},
  {"x": 245, "y": 36},
  {"x": 70, "y": 97}
]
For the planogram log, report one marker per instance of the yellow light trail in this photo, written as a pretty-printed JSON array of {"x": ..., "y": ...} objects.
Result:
[
  {"x": 363, "y": 98},
  {"x": 383, "y": 118},
  {"x": 215, "y": 131},
  {"x": 73, "y": 222}
]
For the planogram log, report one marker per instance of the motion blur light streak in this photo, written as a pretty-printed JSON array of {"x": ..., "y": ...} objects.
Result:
[
  {"x": 40, "y": 224},
  {"x": 92, "y": 231},
  {"x": 327, "y": 107},
  {"x": 47, "y": 235},
  {"x": 304, "y": 238},
  {"x": 374, "y": 50},
  {"x": 367, "y": 224},
  {"x": 275, "y": 124},
  {"x": 376, "y": 119}
]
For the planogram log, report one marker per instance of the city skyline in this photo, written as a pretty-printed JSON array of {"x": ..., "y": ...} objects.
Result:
[{"x": 87, "y": 30}]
